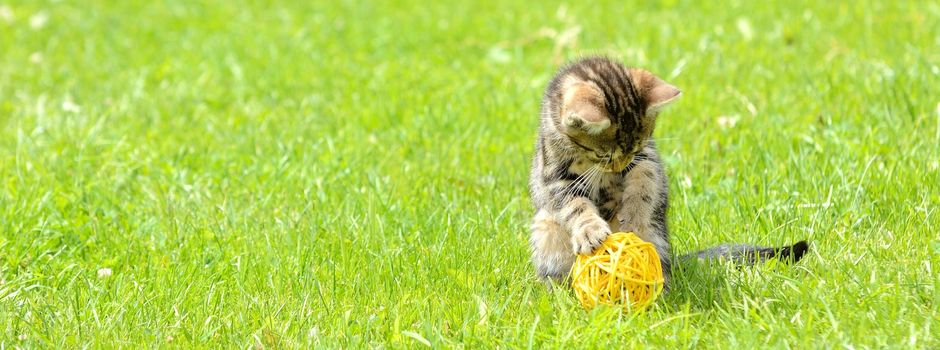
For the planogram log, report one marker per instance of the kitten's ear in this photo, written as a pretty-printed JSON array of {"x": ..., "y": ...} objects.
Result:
[
  {"x": 661, "y": 95},
  {"x": 655, "y": 91},
  {"x": 583, "y": 108}
]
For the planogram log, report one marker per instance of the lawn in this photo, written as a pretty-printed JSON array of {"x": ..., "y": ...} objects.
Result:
[{"x": 348, "y": 174}]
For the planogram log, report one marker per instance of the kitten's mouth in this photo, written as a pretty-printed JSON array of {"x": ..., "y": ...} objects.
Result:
[{"x": 618, "y": 166}]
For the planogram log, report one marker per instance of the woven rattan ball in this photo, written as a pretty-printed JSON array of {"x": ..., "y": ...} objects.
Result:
[{"x": 624, "y": 270}]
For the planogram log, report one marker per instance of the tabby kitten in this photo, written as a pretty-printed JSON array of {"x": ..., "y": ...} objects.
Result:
[{"x": 596, "y": 169}]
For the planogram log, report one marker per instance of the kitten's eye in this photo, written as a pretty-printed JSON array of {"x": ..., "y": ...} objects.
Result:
[{"x": 586, "y": 148}]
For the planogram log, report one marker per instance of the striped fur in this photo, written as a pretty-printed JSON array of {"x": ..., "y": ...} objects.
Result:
[{"x": 596, "y": 168}]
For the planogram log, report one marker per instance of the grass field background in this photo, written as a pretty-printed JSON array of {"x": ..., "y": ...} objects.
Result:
[{"x": 352, "y": 174}]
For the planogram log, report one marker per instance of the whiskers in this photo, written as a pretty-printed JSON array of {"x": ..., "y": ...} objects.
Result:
[{"x": 588, "y": 181}]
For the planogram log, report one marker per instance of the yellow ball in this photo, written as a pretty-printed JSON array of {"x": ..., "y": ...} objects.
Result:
[{"x": 624, "y": 270}]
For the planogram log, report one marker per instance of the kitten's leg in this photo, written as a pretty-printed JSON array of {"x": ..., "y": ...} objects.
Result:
[
  {"x": 551, "y": 248},
  {"x": 643, "y": 207},
  {"x": 588, "y": 230}
]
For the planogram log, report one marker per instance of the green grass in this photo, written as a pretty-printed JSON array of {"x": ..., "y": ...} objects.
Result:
[{"x": 349, "y": 174}]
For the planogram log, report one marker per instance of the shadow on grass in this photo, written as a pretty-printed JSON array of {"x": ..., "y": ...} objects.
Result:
[
  {"x": 700, "y": 285},
  {"x": 703, "y": 284}
]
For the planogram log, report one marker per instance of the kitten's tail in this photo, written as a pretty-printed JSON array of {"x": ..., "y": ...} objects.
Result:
[{"x": 749, "y": 255}]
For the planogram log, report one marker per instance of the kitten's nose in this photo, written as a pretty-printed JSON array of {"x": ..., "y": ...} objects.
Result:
[{"x": 617, "y": 167}]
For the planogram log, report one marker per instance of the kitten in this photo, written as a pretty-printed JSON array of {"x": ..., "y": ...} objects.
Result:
[{"x": 596, "y": 169}]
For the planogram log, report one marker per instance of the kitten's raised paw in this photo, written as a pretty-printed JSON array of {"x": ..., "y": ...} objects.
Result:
[{"x": 588, "y": 238}]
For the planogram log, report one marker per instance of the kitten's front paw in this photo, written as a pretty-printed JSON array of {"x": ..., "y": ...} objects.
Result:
[{"x": 589, "y": 237}]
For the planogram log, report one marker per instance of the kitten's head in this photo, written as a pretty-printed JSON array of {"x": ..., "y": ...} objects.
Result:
[{"x": 607, "y": 112}]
